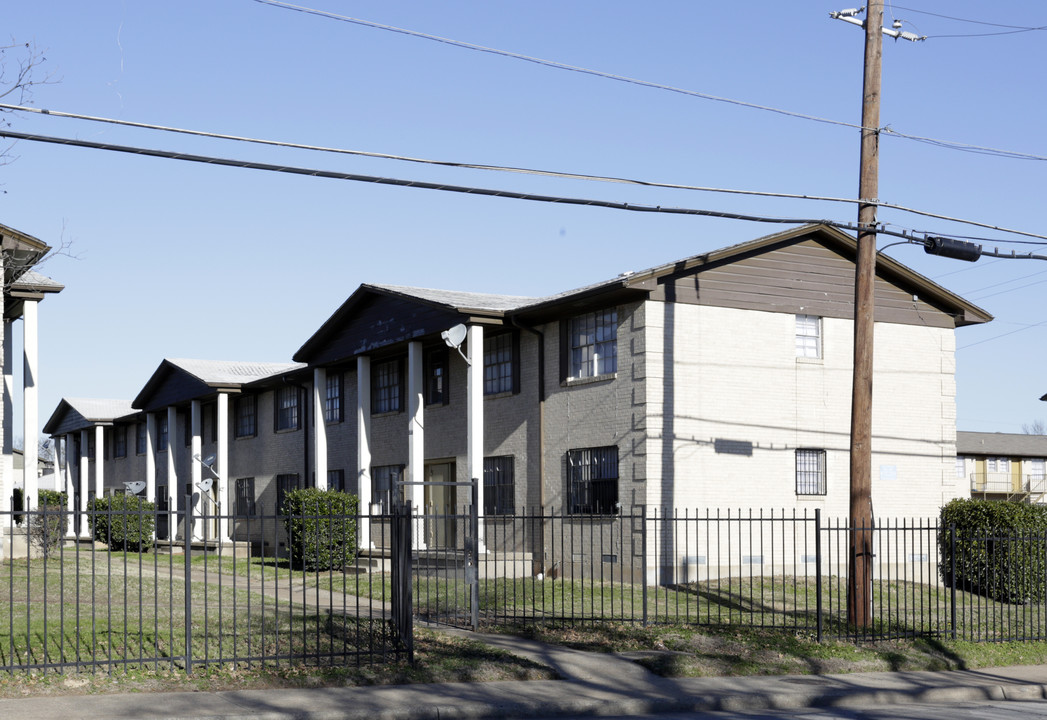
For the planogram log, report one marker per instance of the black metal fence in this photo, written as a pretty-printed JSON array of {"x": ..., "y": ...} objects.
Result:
[
  {"x": 74, "y": 604},
  {"x": 751, "y": 569}
]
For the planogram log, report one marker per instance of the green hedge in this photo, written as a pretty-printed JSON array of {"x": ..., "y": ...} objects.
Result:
[
  {"x": 1001, "y": 549},
  {"x": 123, "y": 522},
  {"x": 321, "y": 528}
]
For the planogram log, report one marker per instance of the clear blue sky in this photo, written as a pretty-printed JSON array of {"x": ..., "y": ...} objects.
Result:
[{"x": 183, "y": 260}]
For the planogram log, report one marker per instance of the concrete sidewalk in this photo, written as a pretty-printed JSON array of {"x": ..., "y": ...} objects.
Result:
[{"x": 592, "y": 684}]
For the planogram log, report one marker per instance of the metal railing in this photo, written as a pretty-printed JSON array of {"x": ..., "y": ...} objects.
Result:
[
  {"x": 784, "y": 571},
  {"x": 72, "y": 604}
]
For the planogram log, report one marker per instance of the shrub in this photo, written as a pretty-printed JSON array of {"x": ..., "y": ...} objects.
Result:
[
  {"x": 48, "y": 523},
  {"x": 321, "y": 528},
  {"x": 1000, "y": 549},
  {"x": 123, "y": 522}
]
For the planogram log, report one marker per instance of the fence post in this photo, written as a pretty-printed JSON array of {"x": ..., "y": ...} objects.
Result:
[
  {"x": 187, "y": 539},
  {"x": 952, "y": 579},
  {"x": 474, "y": 552},
  {"x": 818, "y": 571},
  {"x": 643, "y": 559}
]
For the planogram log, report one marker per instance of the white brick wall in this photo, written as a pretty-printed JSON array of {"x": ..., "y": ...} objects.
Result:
[{"x": 733, "y": 375}]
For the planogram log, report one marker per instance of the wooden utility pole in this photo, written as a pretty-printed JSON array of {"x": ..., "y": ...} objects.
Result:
[{"x": 859, "y": 588}]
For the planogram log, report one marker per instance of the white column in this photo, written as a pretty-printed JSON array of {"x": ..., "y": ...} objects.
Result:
[
  {"x": 30, "y": 400},
  {"x": 415, "y": 427},
  {"x": 475, "y": 425},
  {"x": 62, "y": 454},
  {"x": 7, "y": 461},
  {"x": 195, "y": 447},
  {"x": 320, "y": 426},
  {"x": 99, "y": 469},
  {"x": 363, "y": 446},
  {"x": 222, "y": 464},
  {"x": 151, "y": 471},
  {"x": 84, "y": 476}
]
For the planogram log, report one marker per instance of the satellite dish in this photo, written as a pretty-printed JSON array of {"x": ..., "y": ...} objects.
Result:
[
  {"x": 134, "y": 487},
  {"x": 209, "y": 460},
  {"x": 205, "y": 485},
  {"x": 455, "y": 336}
]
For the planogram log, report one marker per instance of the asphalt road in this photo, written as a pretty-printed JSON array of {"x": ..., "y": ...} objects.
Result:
[{"x": 1003, "y": 710}]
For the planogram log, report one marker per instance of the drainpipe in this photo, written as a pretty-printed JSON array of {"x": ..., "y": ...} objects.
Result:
[{"x": 541, "y": 434}]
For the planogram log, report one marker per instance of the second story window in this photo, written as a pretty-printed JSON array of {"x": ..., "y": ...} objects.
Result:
[
  {"x": 592, "y": 344},
  {"x": 161, "y": 433},
  {"x": 246, "y": 420},
  {"x": 386, "y": 390},
  {"x": 140, "y": 442},
  {"x": 119, "y": 441},
  {"x": 437, "y": 391},
  {"x": 808, "y": 336},
  {"x": 498, "y": 364},
  {"x": 286, "y": 415},
  {"x": 333, "y": 398}
]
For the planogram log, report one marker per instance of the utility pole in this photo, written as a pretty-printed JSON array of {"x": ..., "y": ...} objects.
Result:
[{"x": 859, "y": 588}]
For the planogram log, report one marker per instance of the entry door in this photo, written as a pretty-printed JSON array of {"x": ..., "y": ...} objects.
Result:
[{"x": 439, "y": 505}]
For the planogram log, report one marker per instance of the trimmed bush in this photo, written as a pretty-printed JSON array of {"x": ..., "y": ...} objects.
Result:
[
  {"x": 123, "y": 522},
  {"x": 1001, "y": 549},
  {"x": 321, "y": 528},
  {"x": 48, "y": 523}
]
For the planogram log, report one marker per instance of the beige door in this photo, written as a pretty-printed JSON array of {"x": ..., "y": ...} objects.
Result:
[{"x": 439, "y": 504}]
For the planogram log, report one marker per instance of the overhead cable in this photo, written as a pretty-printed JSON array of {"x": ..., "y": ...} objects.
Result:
[{"x": 512, "y": 169}]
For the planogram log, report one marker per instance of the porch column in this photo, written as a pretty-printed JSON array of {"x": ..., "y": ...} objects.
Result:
[
  {"x": 320, "y": 426},
  {"x": 150, "y": 469},
  {"x": 7, "y": 461},
  {"x": 222, "y": 464},
  {"x": 84, "y": 476},
  {"x": 62, "y": 456},
  {"x": 363, "y": 446},
  {"x": 196, "y": 467},
  {"x": 415, "y": 428},
  {"x": 475, "y": 425},
  {"x": 99, "y": 470},
  {"x": 30, "y": 400}
]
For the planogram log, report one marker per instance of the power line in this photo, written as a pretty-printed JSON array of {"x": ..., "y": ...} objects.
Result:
[
  {"x": 1008, "y": 29},
  {"x": 512, "y": 169},
  {"x": 997, "y": 337},
  {"x": 336, "y": 175},
  {"x": 964, "y": 147}
]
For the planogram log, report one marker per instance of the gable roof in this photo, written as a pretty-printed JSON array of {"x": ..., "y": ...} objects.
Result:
[
  {"x": 451, "y": 307},
  {"x": 180, "y": 380},
  {"x": 1001, "y": 444},
  {"x": 79, "y": 413}
]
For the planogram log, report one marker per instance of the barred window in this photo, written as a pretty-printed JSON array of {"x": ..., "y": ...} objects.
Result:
[
  {"x": 336, "y": 480},
  {"x": 333, "y": 398},
  {"x": 244, "y": 506},
  {"x": 285, "y": 483},
  {"x": 498, "y": 364},
  {"x": 286, "y": 399},
  {"x": 499, "y": 486},
  {"x": 592, "y": 481},
  {"x": 808, "y": 336},
  {"x": 385, "y": 387},
  {"x": 385, "y": 485},
  {"x": 593, "y": 344},
  {"x": 810, "y": 472},
  {"x": 246, "y": 417}
]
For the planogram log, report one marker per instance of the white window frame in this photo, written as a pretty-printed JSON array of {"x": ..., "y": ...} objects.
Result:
[{"x": 809, "y": 337}]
